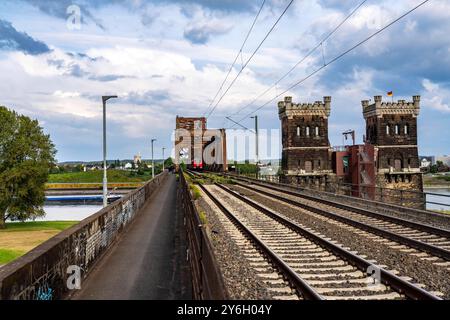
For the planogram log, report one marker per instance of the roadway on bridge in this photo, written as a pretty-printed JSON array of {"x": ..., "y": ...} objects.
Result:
[{"x": 149, "y": 261}]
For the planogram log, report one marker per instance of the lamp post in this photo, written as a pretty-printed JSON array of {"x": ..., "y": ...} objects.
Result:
[
  {"x": 163, "y": 158},
  {"x": 153, "y": 162},
  {"x": 256, "y": 144},
  {"x": 105, "y": 176}
]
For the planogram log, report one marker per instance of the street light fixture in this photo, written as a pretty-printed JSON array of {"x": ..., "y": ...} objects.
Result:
[
  {"x": 153, "y": 162},
  {"x": 105, "y": 177}
]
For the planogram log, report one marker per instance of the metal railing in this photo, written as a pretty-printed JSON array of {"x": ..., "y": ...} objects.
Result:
[
  {"x": 207, "y": 281},
  {"x": 43, "y": 273},
  {"x": 404, "y": 197}
]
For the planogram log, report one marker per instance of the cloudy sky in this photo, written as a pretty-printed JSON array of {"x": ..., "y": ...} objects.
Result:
[{"x": 168, "y": 58}]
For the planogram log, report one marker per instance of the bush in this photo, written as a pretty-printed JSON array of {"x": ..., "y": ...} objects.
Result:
[
  {"x": 202, "y": 216},
  {"x": 195, "y": 192},
  {"x": 246, "y": 168}
]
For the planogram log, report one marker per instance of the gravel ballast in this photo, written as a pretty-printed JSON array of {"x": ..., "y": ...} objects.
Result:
[
  {"x": 415, "y": 264},
  {"x": 238, "y": 275}
]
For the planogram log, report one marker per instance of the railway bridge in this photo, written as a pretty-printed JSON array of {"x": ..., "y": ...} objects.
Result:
[{"x": 214, "y": 235}]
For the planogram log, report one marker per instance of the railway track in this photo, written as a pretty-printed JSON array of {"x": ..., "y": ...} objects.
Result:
[
  {"x": 297, "y": 262},
  {"x": 426, "y": 238}
]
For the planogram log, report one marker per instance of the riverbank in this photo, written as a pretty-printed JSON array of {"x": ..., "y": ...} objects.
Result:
[
  {"x": 20, "y": 237},
  {"x": 114, "y": 176},
  {"x": 442, "y": 211},
  {"x": 433, "y": 181},
  {"x": 436, "y": 186}
]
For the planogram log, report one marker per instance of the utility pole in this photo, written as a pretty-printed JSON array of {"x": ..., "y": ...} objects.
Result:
[
  {"x": 163, "y": 157},
  {"x": 153, "y": 162},
  {"x": 105, "y": 176},
  {"x": 257, "y": 145}
]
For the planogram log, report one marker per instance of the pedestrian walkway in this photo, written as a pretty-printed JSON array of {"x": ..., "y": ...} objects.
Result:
[{"x": 149, "y": 261}]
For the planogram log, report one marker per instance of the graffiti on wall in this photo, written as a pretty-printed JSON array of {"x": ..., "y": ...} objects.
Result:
[{"x": 48, "y": 275}]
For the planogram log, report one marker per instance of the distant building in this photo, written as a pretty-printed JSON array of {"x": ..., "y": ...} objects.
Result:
[
  {"x": 199, "y": 147},
  {"x": 92, "y": 168},
  {"x": 426, "y": 161},
  {"x": 137, "y": 159},
  {"x": 445, "y": 159},
  {"x": 128, "y": 166}
]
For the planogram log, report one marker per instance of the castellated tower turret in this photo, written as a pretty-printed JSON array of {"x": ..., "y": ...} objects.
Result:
[
  {"x": 392, "y": 128},
  {"x": 306, "y": 148}
]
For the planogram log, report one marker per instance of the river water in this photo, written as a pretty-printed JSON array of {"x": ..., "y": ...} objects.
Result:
[
  {"x": 439, "y": 199},
  {"x": 79, "y": 212},
  {"x": 68, "y": 212}
]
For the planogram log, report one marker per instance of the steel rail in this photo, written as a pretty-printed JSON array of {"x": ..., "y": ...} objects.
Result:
[
  {"x": 402, "y": 286},
  {"x": 419, "y": 226},
  {"x": 301, "y": 286},
  {"x": 435, "y": 250}
]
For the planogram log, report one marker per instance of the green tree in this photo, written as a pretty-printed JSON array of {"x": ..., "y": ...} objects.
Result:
[
  {"x": 246, "y": 168},
  {"x": 26, "y": 157},
  {"x": 441, "y": 166},
  {"x": 168, "y": 162},
  {"x": 433, "y": 168}
]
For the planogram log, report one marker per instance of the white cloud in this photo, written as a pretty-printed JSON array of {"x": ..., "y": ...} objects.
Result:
[
  {"x": 434, "y": 95},
  {"x": 158, "y": 74},
  {"x": 199, "y": 32},
  {"x": 66, "y": 94}
]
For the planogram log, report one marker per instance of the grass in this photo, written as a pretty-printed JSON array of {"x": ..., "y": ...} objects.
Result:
[
  {"x": 38, "y": 226},
  {"x": 97, "y": 177},
  {"x": 191, "y": 181},
  {"x": 219, "y": 179},
  {"x": 202, "y": 216},
  {"x": 443, "y": 211},
  {"x": 7, "y": 255},
  {"x": 195, "y": 192},
  {"x": 429, "y": 180},
  {"x": 20, "y": 237}
]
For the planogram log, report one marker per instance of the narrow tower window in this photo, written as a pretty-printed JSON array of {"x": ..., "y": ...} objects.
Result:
[
  {"x": 308, "y": 166},
  {"x": 298, "y": 131},
  {"x": 406, "y": 129},
  {"x": 317, "y": 131},
  {"x": 387, "y": 129},
  {"x": 307, "y": 131},
  {"x": 396, "y": 129}
]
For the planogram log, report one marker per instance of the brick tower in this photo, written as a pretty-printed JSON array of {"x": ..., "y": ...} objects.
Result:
[
  {"x": 306, "y": 150},
  {"x": 392, "y": 128}
]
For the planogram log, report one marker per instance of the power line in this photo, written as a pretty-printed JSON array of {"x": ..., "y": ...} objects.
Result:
[
  {"x": 320, "y": 44},
  {"x": 244, "y": 127},
  {"x": 335, "y": 59},
  {"x": 237, "y": 56},
  {"x": 251, "y": 57}
]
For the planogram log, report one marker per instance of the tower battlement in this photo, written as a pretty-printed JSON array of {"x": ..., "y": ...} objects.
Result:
[
  {"x": 380, "y": 108},
  {"x": 287, "y": 109}
]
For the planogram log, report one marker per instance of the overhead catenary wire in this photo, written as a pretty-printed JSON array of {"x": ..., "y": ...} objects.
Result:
[
  {"x": 239, "y": 54},
  {"x": 335, "y": 59},
  {"x": 251, "y": 57},
  {"x": 310, "y": 52}
]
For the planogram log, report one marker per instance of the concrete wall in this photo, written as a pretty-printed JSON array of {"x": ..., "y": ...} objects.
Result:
[{"x": 42, "y": 273}]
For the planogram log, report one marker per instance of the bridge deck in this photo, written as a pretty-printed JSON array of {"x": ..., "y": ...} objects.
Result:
[{"x": 149, "y": 261}]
